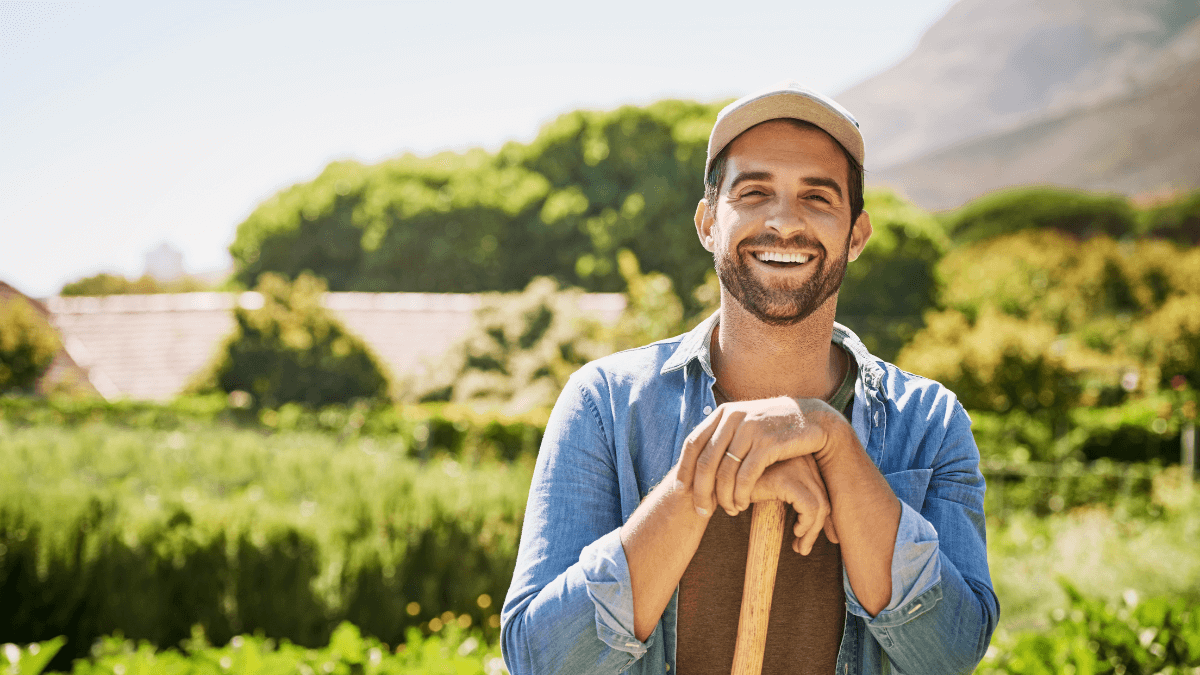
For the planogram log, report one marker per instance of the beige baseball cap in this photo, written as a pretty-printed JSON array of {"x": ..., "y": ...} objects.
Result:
[{"x": 783, "y": 100}]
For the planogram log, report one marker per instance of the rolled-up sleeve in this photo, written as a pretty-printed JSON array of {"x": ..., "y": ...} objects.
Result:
[
  {"x": 570, "y": 606},
  {"x": 916, "y": 569},
  {"x": 943, "y": 609}
]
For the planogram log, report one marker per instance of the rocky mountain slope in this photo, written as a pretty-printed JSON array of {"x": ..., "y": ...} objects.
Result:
[{"x": 1096, "y": 94}]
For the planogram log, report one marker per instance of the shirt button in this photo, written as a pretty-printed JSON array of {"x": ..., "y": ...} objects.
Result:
[{"x": 708, "y": 410}]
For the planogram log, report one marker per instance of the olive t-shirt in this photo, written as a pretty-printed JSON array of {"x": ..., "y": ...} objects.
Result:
[{"x": 808, "y": 611}]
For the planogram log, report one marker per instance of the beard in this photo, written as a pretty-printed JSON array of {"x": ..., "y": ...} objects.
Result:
[{"x": 781, "y": 305}]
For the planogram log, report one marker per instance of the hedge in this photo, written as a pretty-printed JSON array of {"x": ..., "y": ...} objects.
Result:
[{"x": 150, "y": 532}]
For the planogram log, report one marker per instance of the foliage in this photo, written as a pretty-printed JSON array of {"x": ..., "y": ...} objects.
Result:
[
  {"x": 453, "y": 651},
  {"x": 520, "y": 351},
  {"x": 1070, "y": 212},
  {"x": 28, "y": 344},
  {"x": 652, "y": 312},
  {"x": 590, "y": 184},
  {"x": 1177, "y": 220},
  {"x": 1101, "y": 550},
  {"x": 291, "y": 350},
  {"x": 1094, "y": 319},
  {"x": 116, "y": 284},
  {"x": 523, "y": 346},
  {"x": 997, "y": 364},
  {"x": 1155, "y": 635},
  {"x": 894, "y": 282},
  {"x": 150, "y": 532}
]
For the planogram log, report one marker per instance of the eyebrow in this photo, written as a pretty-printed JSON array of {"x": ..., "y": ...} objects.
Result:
[{"x": 815, "y": 181}]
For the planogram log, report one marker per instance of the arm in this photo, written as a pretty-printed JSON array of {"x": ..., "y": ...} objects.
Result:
[
  {"x": 569, "y": 607},
  {"x": 942, "y": 609}
]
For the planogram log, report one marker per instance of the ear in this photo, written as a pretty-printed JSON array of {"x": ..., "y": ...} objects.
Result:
[
  {"x": 859, "y": 235},
  {"x": 704, "y": 225}
]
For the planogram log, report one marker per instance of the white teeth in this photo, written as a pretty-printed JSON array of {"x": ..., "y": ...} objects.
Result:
[{"x": 772, "y": 256}]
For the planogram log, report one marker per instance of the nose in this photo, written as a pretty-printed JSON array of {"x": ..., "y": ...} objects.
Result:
[{"x": 786, "y": 218}]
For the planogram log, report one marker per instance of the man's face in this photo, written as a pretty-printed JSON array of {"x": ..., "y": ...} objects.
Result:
[{"x": 780, "y": 233}]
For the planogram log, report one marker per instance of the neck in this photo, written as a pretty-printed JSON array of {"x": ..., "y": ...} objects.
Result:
[{"x": 754, "y": 360}]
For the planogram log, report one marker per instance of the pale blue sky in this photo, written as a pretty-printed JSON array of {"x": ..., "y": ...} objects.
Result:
[{"x": 123, "y": 125}]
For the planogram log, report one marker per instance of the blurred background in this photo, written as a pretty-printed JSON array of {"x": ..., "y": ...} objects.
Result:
[{"x": 287, "y": 291}]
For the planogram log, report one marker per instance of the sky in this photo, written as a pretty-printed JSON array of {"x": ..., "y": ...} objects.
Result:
[{"x": 126, "y": 125}]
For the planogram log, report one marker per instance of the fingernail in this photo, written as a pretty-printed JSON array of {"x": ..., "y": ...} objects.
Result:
[
  {"x": 702, "y": 511},
  {"x": 730, "y": 512}
]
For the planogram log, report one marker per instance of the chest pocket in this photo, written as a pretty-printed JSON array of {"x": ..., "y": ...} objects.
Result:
[{"x": 910, "y": 486}]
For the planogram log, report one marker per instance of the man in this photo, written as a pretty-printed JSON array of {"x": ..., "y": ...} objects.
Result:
[{"x": 633, "y": 550}]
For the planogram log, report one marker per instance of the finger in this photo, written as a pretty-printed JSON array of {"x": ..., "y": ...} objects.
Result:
[
  {"x": 729, "y": 475},
  {"x": 694, "y": 444},
  {"x": 814, "y": 530},
  {"x": 831, "y": 531},
  {"x": 760, "y": 454},
  {"x": 804, "y": 524},
  {"x": 709, "y": 460}
]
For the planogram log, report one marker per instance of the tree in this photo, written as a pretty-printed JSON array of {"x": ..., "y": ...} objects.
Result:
[
  {"x": 1073, "y": 212},
  {"x": 290, "y": 350},
  {"x": 893, "y": 283},
  {"x": 116, "y": 284},
  {"x": 27, "y": 344},
  {"x": 520, "y": 351}
]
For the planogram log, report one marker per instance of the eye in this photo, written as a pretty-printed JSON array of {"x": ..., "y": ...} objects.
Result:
[{"x": 819, "y": 197}]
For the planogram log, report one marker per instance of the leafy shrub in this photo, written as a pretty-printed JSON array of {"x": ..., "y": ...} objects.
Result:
[
  {"x": 150, "y": 532},
  {"x": 996, "y": 363},
  {"x": 452, "y": 651},
  {"x": 27, "y": 344},
  {"x": 291, "y": 350},
  {"x": 894, "y": 282},
  {"x": 116, "y": 284},
  {"x": 1177, "y": 219},
  {"x": 1156, "y": 635},
  {"x": 520, "y": 351},
  {"x": 1072, "y": 212}
]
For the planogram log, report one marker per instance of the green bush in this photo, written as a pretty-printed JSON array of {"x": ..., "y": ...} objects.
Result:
[
  {"x": 893, "y": 283},
  {"x": 115, "y": 284},
  {"x": 452, "y": 651},
  {"x": 291, "y": 350},
  {"x": 996, "y": 363},
  {"x": 1072, "y": 212},
  {"x": 105, "y": 529},
  {"x": 27, "y": 344},
  {"x": 1177, "y": 219},
  {"x": 1137, "y": 637}
]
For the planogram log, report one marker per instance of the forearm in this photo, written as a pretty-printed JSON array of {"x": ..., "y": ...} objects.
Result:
[
  {"x": 866, "y": 514},
  {"x": 660, "y": 539}
]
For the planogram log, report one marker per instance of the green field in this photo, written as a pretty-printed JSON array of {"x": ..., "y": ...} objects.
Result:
[{"x": 152, "y": 533}]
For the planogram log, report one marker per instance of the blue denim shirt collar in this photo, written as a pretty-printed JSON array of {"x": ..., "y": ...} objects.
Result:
[{"x": 696, "y": 345}]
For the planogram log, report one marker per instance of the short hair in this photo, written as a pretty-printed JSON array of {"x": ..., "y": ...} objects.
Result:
[{"x": 854, "y": 178}]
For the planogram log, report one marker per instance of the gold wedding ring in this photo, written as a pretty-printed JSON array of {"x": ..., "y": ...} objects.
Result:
[{"x": 734, "y": 457}]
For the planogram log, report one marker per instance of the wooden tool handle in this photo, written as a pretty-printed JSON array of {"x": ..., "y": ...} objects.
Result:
[{"x": 762, "y": 561}]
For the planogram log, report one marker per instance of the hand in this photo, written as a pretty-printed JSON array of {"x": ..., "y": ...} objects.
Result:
[
  {"x": 760, "y": 433},
  {"x": 798, "y": 482}
]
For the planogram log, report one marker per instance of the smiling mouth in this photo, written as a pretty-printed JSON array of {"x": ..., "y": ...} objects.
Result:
[{"x": 776, "y": 259}]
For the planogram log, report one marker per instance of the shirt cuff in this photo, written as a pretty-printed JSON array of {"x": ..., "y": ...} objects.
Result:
[
  {"x": 916, "y": 571},
  {"x": 606, "y": 577}
]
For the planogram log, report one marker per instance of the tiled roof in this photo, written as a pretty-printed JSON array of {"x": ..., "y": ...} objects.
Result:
[{"x": 151, "y": 346}]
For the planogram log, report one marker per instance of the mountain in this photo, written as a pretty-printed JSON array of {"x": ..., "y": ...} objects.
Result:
[{"x": 1096, "y": 94}]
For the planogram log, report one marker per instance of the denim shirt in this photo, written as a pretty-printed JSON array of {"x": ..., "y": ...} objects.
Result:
[{"x": 618, "y": 428}]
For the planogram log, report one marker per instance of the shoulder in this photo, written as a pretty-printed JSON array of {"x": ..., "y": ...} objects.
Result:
[
  {"x": 628, "y": 371},
  {"x": 914, "y": 394}
]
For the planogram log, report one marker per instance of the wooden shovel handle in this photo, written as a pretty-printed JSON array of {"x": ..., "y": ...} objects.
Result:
[{"x": 762, "y": 561}]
